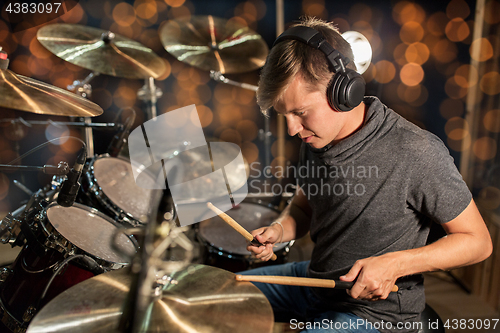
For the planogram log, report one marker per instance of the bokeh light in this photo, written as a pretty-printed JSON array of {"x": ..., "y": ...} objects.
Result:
[
  {"x": 411, "y": 32},
  {"x": 436, "y": 24},
  {"x": 485, "y": 148},
  {"x": 453, "y": 90},
  {"x": 411, "y": 74},
  {"x": 484, "y": 49},
  {"x": 250, "y": 151},
  {"x": 417, "y": 53},
  {"x": 490, "y": 83},
  {"x": 489, "y": 197},
  {"x": 457, "y": 9},
  {"x": 405, "y": 11},
  {"x": 444, "y": 51},
  {"x": 457, "y": 30},
  {"x": 385, "y": 71},
  {"x": 491, "y": 120},
  {"x": 466, "y": 76}
]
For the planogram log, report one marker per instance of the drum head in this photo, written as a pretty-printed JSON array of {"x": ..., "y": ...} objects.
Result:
[
  {"x": 90, "y": 231},
  {"x": 116, "y": 179},
  {"x": 249, "y": 215}
]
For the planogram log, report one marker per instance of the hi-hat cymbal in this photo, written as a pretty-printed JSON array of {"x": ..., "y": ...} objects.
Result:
[
  {"x": 199, "y": 299},
  {"x": 101, "y": 51},
  {"x": 27, "y": 94},
  {"x": 212, "y": 43}
]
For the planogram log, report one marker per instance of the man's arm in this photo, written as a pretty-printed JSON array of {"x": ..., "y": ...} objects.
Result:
[
  {"x": 295, "y": 219},
  {"x": 467, "y": 242}
]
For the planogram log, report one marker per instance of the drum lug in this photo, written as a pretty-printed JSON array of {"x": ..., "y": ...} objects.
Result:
[
  {"x": 4, "y": 273},
  {"x": 29, "y": 313},
  {"x": 10, "y": 224}
]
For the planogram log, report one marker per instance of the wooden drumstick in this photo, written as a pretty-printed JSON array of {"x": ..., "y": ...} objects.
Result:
[
  {"x": 242, "y": 231},
  {"x": 299, "y": 281}
]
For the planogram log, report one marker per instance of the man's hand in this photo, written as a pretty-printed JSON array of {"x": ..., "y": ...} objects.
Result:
[
  {"x": 267, "y": 236},
  {"x": 375, "y": 277}
]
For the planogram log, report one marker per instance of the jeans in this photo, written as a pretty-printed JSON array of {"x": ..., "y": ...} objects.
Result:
[{"x": 301, "y": 307}]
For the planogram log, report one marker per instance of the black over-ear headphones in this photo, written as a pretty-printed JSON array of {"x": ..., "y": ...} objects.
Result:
[{"x": 347, "y": 87}]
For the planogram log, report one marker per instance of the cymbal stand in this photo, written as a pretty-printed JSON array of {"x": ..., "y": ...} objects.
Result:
[
  {"x": 150, "y": 93},
  {"x": 264, "y": 134},
  {"x": 84, "y": 89},
  {"x": 150, "y": 268}
]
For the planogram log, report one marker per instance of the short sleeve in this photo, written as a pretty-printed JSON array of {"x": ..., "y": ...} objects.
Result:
[{"x": 436, "y": 188}]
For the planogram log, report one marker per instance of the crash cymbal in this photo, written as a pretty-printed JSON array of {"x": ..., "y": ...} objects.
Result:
[
  {"x": 101, "y": 51},
  {"x": 212, "y": 43},
  {"x": 27, "y": 94},
  {"x": 199, "y": 299}
]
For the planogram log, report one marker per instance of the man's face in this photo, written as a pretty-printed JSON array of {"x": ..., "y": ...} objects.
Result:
[{"x": 309, "y": 115}]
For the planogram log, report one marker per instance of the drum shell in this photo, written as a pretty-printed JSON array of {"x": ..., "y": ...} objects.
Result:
[
  {"x": 219, "y": 253},
  {"x": 24, "y": 282}
]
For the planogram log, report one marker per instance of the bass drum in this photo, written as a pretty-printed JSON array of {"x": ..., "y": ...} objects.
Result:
[
  {"x": 64, "y": 246},
  {"x": 225, "y": 248},
  {"x": 108, "y": 184}
]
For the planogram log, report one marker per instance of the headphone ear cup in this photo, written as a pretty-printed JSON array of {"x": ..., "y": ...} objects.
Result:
[{"x": 346, "y": 90}]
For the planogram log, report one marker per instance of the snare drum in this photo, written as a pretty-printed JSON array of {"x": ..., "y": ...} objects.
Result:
[
  {"x": 108, "y": 184},
  {"x": 225, "y": 248},
  {"x": 58, "y": 235}
]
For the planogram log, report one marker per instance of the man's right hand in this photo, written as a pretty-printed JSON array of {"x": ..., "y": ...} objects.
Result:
[{"x": 267, "y": 236}]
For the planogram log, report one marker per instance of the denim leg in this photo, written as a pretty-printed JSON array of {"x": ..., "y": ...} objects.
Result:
[{"x": 301, "y": 307}]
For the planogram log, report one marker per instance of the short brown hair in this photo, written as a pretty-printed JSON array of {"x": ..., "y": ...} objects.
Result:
[{"x": 290, "y": 58}]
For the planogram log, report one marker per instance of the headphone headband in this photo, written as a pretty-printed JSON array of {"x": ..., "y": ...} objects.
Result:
[{"x": 315, "y": 39}]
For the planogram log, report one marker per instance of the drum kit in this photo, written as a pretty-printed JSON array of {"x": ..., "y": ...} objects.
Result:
[{"x": 96, "y": 261}]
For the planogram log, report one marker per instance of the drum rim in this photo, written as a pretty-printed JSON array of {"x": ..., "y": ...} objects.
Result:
[{"x": 91, "y": 180}]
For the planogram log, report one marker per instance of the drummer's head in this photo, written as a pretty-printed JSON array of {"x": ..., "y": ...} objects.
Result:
[{"x": 290, "y": 58}]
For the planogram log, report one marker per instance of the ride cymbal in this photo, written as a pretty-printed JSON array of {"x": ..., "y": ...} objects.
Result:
[
  {"x": 199, "y": 299},
  {"x": 101, "y": 51},
  {"x": 212, "y": 43},
  {"x": 27, "y": 94}
]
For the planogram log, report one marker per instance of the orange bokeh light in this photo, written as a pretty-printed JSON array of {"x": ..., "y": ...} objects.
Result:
[
  {"x": 457, "y": 9},
  {"x": 124, "y": 14},
  {"x": 481, "y": 49},
  {"x": 491, "y": 121},
  {"x": 490, "y": 83},
  {"x": 417, "y": 53},
  {"x": 457, "y": 30},
  {"x": 385, "y": 71},
  {"x": 411, "y": 74},
  {"x": 485, "y": 148},
  {"x": 411, "y": 32}
]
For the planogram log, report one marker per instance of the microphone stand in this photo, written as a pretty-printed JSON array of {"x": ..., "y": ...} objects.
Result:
[
  {"x": 30, "y": 123},
  {"x": 61, "y": 169}
]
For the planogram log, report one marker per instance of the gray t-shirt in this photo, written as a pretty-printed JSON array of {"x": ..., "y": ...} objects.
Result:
[{"x": 378, "y": 191}]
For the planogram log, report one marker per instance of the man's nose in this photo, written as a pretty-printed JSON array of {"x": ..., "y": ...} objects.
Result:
[{"x": 294, "y": 125}]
